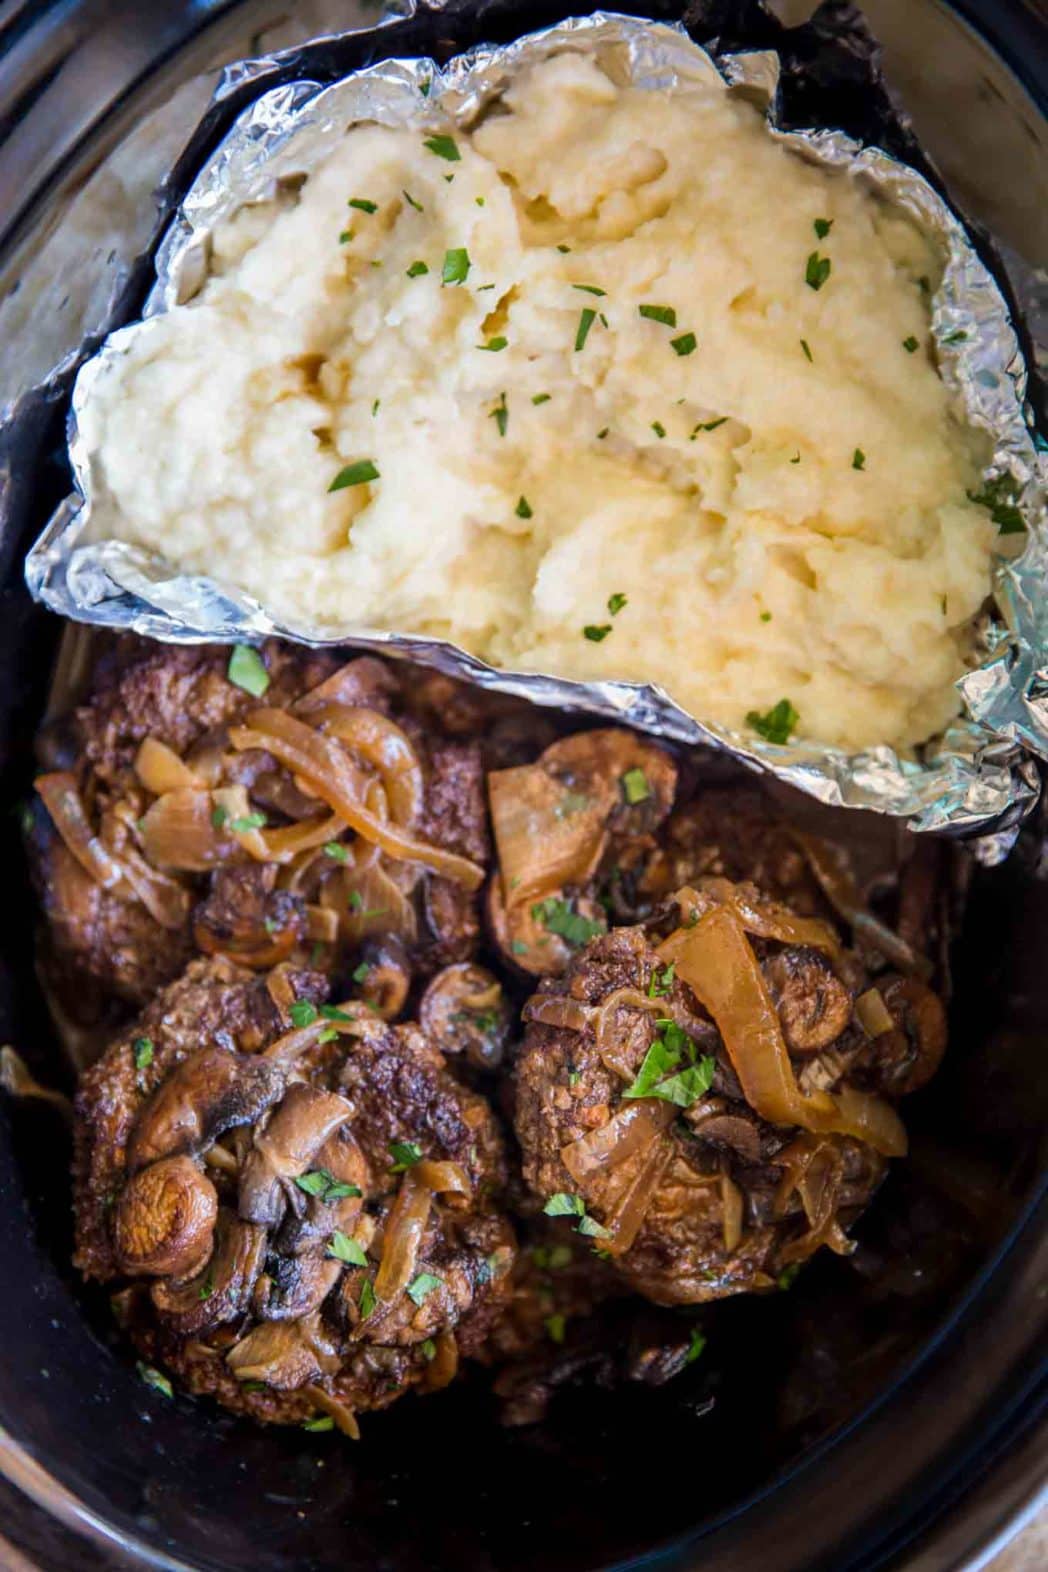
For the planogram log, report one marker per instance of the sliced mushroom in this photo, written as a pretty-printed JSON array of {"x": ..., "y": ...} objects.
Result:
[
  {"x": 286, "y": 1147},
  {"x": 905, "y": 1059},
  {"x": 814, "y": 1005},
  {"x": 312, "y": 1219},
  {"x": 735, "y": 1132},
  {"x": 384, "y": 975},
  {"x": 635, "y": 779},
  {"x": 465, "y": 1011},
  {"x": 165, "y": 1220},
  {"x": 212, "y": 1091},
  {"x": 222, "y": 1289},
  {"x": 285, "y": 1354},
  {"x": 245, "y": 917},
  {"x": 294, "y": 1286}
]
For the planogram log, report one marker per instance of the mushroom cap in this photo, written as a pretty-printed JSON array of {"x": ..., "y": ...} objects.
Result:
[{"x": 165, "y": 1219}]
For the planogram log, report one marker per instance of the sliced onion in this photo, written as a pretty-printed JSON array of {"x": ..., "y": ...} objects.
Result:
[
  {"x": 634, "y": 999},
  {"x": 283, "y": 845},
  {"x": 442, "y": 1178},
  {"x": 160, "y": 769},
  {"x": 363, "y": 676},
  {"x": 556, "y": 1009},
  {"x": 405, "y": 1227},
  {"x": 166, "y": 901},
  {"x": 766, "y": 919},
  {"x": 731, "y": 1208},
  {"x": 63, "y": 802},
  {"x": 382, "y": 744},
  {"x": 540, "y": 847},
  {"x": 716, "y": 961},
  {"x": 443, "y": 1367},
  {"x": 321, "y": 925},
  {"x": 632, "y": 1128},
  {"x": 367, "y": 900},
  {"x": 178, "y": 831},
  {"x": 325, "y": 767},
  {"x": 873, "y": 1014},
  {"x": 344, "y": 1417},
  {"x": 625, "y": 1222},
  {"x": 236, "y": 805},
  {"x": 295, "y": 1043}
]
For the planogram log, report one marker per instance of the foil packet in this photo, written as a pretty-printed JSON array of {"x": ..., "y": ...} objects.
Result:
[{"x": 978, "y": 779}]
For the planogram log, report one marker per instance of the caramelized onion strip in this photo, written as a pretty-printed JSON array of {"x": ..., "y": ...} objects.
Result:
[
  {"x": 405, "y": 1227},
  {"x": 326, "y": 768},
  {"x": 63, "y": 802},
  {"x": 717, "y": 962},
  {"x": 382, "y": 744},
  {"x": 544, "y": 840},
  {"x": 624, "y": 1224},
  {"x": 633, "y": 1127},
  {"x": 160, "y": 769}
]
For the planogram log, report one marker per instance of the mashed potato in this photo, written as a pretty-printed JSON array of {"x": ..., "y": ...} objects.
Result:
[{"x": 613, "y": 386}]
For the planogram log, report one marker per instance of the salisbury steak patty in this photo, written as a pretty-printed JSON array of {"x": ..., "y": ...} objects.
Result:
[
  {"x": 707, "y": 1104},
  {"x": 300, "y": 1201}
]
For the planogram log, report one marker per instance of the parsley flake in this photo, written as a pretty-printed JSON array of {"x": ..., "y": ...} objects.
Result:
[
  {"x": 428, "y": 1350},
  {"x": 336, "y": 852},
  {"x": 555, "y": 1325},
  {"x": 155, "y": 1378},
  {"x": 417, "y": 269},
  {"x": 247, "y": 822},
  {"x": 659, "y": 429},
  {"x": 405, "y": 1155},
  {"x": 911, "y": 345},
  {"x": 456, "y": 266},
  {"x": 523, "y": 510},
  {"x": 616, "y": 602},
  {"x": 586, "y": 321},
  {"x": 777, "y": 724},
  {"x": 695, "y": 1347},
  {"x": 357, "y": 474},
  {"x": 564, "y": 1205},
  {"x": 143, "y": 1050},
  {"x": 809, "y": 357},
  {"x": 541, "y": 398},
  {"x": 363, "y": 204},
  {"x": 596, "y": 632},
  {"x": 494, "y": 344},
  {"x": 247, "y": 670},
  {"x": 664, "y": 314},
  {"x": 423, "y": 1286},
  {"x": 343, "y": 1248},
  {"x": 410, "y": 200},
  {"x": 685, "y": 344},
  {"x": 360, "y": 973},
  {"x": 590, "y": 289},
  {"x": 817, "y": 271},
  {"x": 303, "y": 1012},
  {"x": 500, "y": 415},
  {"x": 822, "y": 227},
  {"x": 635, "y": 786},
  {"x": 320, "y": 1425},
  {"x": 443, "y": 147},
  {"x": 858, "y": 459},
  {"x": 556, "y": 916},
  {"x": 788, "y": 1276},
  {"x": 661, "y": 1075},
  {"x": 366, "y": 1303},
  {"x": 1000, "y": 495}
]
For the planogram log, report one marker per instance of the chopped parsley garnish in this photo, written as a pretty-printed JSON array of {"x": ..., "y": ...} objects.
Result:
[
  {"x": 684, "y": 344},
  {"x": 574, "y": 1077},
  {"x": 246, "y": 670},
  {"x": 596, "y": 631},
  {"x": 661, "y": 1075},
  {"x": 366, "y": 1302},
  {"x": 479, "y": 201},
  {"x": 343, "y": 1248},
  {"x": 777, "y": 724},
  {"x": 410, "y": 200},
  {"x": 428, "y": 1349},
  {"x": 322, "y": 1183},
  {"x": 822, "y": 227},
  {"x": 787, "y": 1277},
  {"x": 456, "y": 266},
  {"x": 809, "y": 357},
  {"x": 523, "y": 509},
  {"x": 635, "y": 786},
  {"x": 616, "y": 602},
  {"x": 248, "y": 821},
  {"x": 155, "y": 1378},
  {"x": 564, "y": 250},
  {"x": 999, "y": 495},
  {"x": 405, "y": 1154},
  {"x": 664, "y": 314},
  {"x": 858, "y": 459},
  {"x": 541, "y": 398},
  {"x": 356, "y": 904},
  {"x": 661, "y": 981},
  {"x": 556, "y": 916},
  {"x": 586, "y": 321},
  {"x": 331, "y": 1012},
  {"x": 336, "y": 852},
  {"x": 796, "y": 457},
  {"x": 555, "y": 1325},
  {"x": 328, "y": 1035},
  {"x": 592, "y": 1229},
  {"x": 519, "y": 947},
  {"x": 375, "y": 407},
  {"x": 207, "y": 1287},
  {"x": 911, "y": 345},
  {"x": 423, "y": 1286},
  {"x": 363, "y": 204},
  {"x": 957, "y": 337},
  {"x": 320, "y": 1425},
  {"x": 709, "y": 425},
  {"x": 817, "y": 271},
  {"x": 417, "y": 269},
  {"x": 766, "y": 615},
  {"x": 345, "y": 236},
  {"x": 444, "y": 147},
  {"x": 659, "y": 429},
  {"x": 143, "y": 1049},
  {"x": 494, "y": 344},
  {"x": 590, "y": 289},
  {"x": 695, "y": 1347},
  {"x": 303, "y": 1012},
  {"x": 360, "y": 973},
  {"x": 602, "y": 433},
  {"x": 500, "y": 415},
  {"x": 564, "y": 1205},
  {"x": 357, "y": 474}
]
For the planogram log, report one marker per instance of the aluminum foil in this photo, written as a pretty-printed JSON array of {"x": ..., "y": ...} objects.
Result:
[{"x": 978, "y": 777}]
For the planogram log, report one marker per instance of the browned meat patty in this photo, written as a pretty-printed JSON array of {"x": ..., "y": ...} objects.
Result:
[
  {"x": 301, "y": 1202},
  {"x": 140, "y": 862},
  {"x": 672, "y": 1135}
]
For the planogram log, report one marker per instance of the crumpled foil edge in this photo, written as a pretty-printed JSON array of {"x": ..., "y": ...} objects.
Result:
[{"x": 977, "y": 777}]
